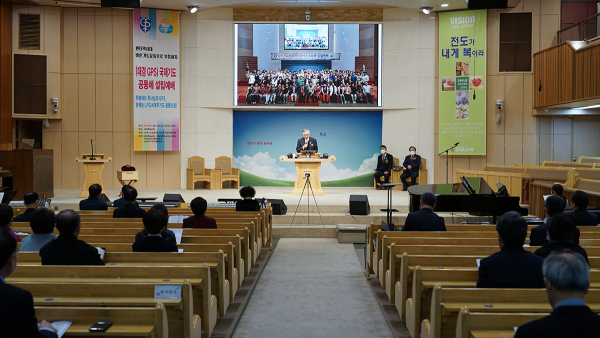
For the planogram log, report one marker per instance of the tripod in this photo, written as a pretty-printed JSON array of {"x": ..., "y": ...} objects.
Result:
[{"x": 307, "y": 183}]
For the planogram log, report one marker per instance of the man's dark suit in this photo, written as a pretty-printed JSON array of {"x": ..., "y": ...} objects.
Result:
[
  {"x": 25, "y": 216},
  {"x": 121, "y": 202},
  {"x": 68, "y": 250},
  {"x": 312, "y": 145},
  {"x": 547, "y": 248},
  {"x": 511, "y": 268},
  {"x": 199, "y": 222},
  {"x": 166, "y": 234},
  {"x": 581, "y": 217},
  {"x": 154, "y": 244},
  {"x": 424, "y": 220},
  {"x": 129, "y": 210},
  {"x": 539, "y": 233},
  {"x": 17, "y": 316},
  {"x": 384, "y": 165},
  {"x": 92, "y": 203},
  {"x": 414, "y": 162},
  {"x": 564, "y": 321}
]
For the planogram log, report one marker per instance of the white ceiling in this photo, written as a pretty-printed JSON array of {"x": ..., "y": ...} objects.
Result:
[{"x": 205, "y": 4}]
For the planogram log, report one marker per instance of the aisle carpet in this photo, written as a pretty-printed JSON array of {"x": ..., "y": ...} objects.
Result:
[{"x": 312, "y": 288}]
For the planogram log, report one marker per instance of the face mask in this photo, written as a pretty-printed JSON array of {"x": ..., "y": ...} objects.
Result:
[
  {"x": 412, "y": 153},
  {"x": 383, "y": 151}
]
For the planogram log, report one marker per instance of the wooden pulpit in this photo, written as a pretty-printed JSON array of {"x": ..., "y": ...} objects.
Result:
[
  {"x": 307, "y": 166},
  {"x": 93, "y": 171}
]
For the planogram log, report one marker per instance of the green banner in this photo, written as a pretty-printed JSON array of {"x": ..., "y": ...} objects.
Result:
[{"x": 462, "y": 82}]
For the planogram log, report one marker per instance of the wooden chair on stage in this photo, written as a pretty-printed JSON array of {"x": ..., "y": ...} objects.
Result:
[
  {"x": 229, "y": 173},
  {"x": 197, "y": 173}
]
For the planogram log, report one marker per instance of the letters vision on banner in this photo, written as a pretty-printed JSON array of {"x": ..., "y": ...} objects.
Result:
[
  {"x": 156, "y": 80},
  {"x": 462, "y": 87}
]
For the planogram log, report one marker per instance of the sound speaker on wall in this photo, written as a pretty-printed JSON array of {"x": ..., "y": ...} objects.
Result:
[
  {"x": 279, "y": 207},
  {"x": 121, "y": 3},
  {"x": 173, "y": 198},
  {"x": 487, "y": 4},
  {"x": 359, "y": 205}
]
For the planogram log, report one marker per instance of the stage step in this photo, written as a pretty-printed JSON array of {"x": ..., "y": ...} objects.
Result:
[{"x": 339, "y": 209}]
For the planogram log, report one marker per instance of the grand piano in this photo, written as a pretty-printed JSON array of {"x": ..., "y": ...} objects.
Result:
[{"x": 472, "y": 195}]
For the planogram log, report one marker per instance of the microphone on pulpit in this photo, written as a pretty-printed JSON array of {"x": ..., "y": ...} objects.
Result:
[{"x": 92, "y": 158}]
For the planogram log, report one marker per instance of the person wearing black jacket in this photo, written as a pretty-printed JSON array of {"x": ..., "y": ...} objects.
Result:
[
  {"x": 566, "y": 276},
  {"x": 67, "y": 249},
  {"x": 248, "y": 203},
  {"x": 30, "y": 200},
  {"x": 512, "y": 266},
  {"x": 93, "y": 202},
  {"x": 580, "y": 215},
  {"x": 17, "y": 316},
  {"x": 130, "y": 209},
  {"x": 385, "y": 163},
  {"x": 560, "y": 229},
  {"x": 166, "y": 233},
  {"x": 306, "y": 142},
  {"x": 411, "y": 166},
  {"x": 554, "y": 205},
  {"x": 425, "y": 219},
  {"x": 155, "y": 221}
]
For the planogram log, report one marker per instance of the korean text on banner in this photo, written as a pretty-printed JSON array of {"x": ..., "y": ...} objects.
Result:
[
  {"x": 462, "y": 93},
  {"x": 156, "y": 80}
]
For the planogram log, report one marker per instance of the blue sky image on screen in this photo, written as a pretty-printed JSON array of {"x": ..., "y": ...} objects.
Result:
[{"x": 353, "y": 137}]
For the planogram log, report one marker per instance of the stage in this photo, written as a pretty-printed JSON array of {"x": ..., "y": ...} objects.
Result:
[{"x": 334, "y": 207}]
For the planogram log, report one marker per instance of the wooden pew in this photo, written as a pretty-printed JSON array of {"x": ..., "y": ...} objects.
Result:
[
  {"x": 588, "y": 159},
  {"x": 205, "y": 304},
  {"x": 224, "y": 275},
  {"x": 126, "y": 321},
  {"x": 568, "y": 164},
  {"x": 510, "y": 176},
  {"x": 425, "y": 279},
  {"x": 446, "y": 304},
  {"x": 182, "y": 321},
  {"x": 499, "y": 325}
]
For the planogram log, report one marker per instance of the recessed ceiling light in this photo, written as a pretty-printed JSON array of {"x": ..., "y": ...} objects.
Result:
[
  {"x": 444, "y": 5},
  {"x": 426, "y": 10},
  {"x": 192, "y": 9}
]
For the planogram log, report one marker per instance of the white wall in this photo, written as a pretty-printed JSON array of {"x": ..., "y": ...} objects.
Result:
[
  {"x": 207, "y": 86},
  {"x": 408, "y": 68},
  {"x": 342, "y": 34},
  {"x": 266, "y": 40}
]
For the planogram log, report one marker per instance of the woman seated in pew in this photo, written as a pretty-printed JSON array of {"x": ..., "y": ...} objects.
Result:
[
  {"x": 560, "y": 230},
  {"x": 42, "y": 223},
  {"x": 155, "y": 222},
  {"x": 166, "y": 234},
  {"x": 248, "y": 203},
  {"x": 6, "y": 219},
  {"x": 199, "y": 220},
  {"x": 557, "y": 190}
]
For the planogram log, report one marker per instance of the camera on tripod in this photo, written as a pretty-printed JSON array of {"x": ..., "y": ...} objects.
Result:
[{"x": 307, "y": 175}]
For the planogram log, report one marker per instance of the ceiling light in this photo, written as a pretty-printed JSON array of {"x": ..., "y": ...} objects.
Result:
[
  {"x": 444, "y": 5},
  {"x": 589, "y": 107},
  {"x": 192, "y": 9},
  {"x": 426, "y": 10}
]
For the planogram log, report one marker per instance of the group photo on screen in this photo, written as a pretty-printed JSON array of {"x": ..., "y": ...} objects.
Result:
[{"x": 307, "y": 64}]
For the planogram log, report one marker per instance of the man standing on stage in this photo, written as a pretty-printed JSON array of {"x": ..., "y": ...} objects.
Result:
[
  {"x": 385, "y": 162},
  {"x": 307, "y": 142},
  {"x": 411, "y": 165}
]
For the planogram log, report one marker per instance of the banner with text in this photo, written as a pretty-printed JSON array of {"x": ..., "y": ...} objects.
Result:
[
  {"x": 156, "y": 80},
  {"x": 462, "y": 76}
]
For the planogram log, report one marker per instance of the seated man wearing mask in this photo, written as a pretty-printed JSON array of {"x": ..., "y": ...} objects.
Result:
[
  {"x": 411, "y": 165},
  {"x": 385, "y": 163}
]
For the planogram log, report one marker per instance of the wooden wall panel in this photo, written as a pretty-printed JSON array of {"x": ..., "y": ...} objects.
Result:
[
  {"x": 104, "y": 42},
  {"x": 70, "y": 62},
  {"x": 86, "y": 37},
  {"x": 122, "y": 103},
  {"x": 121, "y": 149},
  {"x": 6, "y": 75},
  {"x": 138, "y": 160},
  {"x": 52, "y": 33},
  {"x": 496, "y": 91},
  {"x": 53, "y": 140},
  {"x": 495, "y": 149},
  {"x": 104, "y": 144},
  {"x": 477, "y": 162},
  {"x": 513, "y": 105},
  {"x": 155, "y": 170},
  {"x": 555, "y": 68},
  {"x": 529, "y": 121},
  {"x": 104, "y": 102},
  {"x": 70, "y": 168},
  {"x": 587, "y": 75},
  {"x": 172, "y": 170},
  {"x": 122, "y": 58},
  {"x": 87, "y": 102},
  {"x": 513, "y": 149},
  {"x": 70, "y": 102}
]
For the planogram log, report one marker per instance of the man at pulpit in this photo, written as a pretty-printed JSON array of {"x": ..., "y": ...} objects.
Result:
[{"x": 307, "y": 142}]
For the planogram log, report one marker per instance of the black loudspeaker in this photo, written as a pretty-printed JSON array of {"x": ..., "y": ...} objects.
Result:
[
  {"x": 487, "y": 4},
  {"x": 279, "y": 207},
  {"x": 173, "y": 198},
  {"x": 359, "y": 205},
  {"x": 104, "y": 198},
  {"x": 121, "y": 3}
]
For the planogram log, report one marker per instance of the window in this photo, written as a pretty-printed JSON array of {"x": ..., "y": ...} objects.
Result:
[{"x": 515, "y": 42}]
